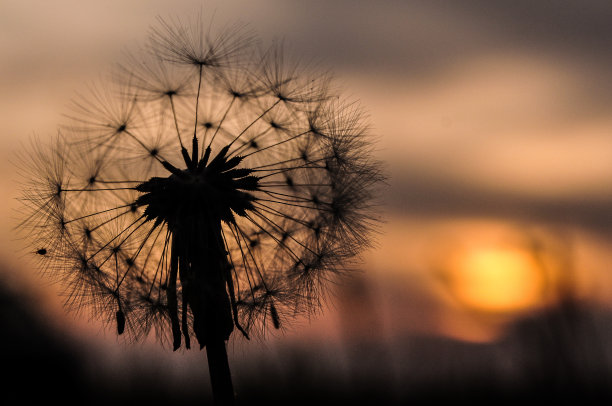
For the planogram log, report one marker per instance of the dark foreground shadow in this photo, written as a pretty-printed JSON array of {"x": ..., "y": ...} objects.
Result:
[{"x": 555, "y": 356}]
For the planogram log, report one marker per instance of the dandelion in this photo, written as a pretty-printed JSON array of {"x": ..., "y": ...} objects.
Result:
[{"x": 210, "y": 187}]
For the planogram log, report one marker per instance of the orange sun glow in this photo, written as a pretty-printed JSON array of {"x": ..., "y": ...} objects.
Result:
[{"x": 497, "y": 280}]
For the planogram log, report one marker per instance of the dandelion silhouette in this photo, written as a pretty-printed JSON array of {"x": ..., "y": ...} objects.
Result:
[{"x": 210, "y": 187}]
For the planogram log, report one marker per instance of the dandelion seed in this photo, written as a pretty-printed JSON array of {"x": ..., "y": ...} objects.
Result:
[
  {"x": 210, "y": 190},
  {"x": 120, "y": 322}
]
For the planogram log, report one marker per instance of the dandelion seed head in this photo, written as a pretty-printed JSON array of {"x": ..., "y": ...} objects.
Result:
[{"x": 212, "y": 186}]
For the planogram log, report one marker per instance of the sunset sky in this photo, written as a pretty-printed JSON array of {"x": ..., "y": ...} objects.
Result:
[{"x": 493, "y": 119}]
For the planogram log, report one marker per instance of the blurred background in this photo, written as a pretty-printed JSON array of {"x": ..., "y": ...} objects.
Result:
[{"x": 491, "y": 275}]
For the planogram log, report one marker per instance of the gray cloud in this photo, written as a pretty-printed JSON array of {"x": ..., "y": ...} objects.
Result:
[
  {"x": 423, "y": 35},
  {"x": 431, "y": 196}
]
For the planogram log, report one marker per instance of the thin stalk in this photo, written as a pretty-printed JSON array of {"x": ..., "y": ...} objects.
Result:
[{"x": 220, "y": 376}]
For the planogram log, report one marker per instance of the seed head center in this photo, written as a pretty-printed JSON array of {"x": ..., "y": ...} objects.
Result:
[{"x": 212, "y": 192}]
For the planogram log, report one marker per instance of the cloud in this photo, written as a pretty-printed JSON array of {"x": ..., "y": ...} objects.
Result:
[
  {"x": 420, "y": 36},
  {"x": 432, "y": 196}
]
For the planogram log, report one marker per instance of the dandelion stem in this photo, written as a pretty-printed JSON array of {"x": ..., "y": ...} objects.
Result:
[
  {"x": 279, "y": 242},
  {"x": 231, "y": 103},
  {"x": 109, "y": 220},
  {"x": 230, "y": 288},
  {"x": 160, "y": 265},
  {"x": 245, "y": 261},
  {"x": 253, "y": 122},
  {"x": 96, "y": 213},
  {"x": 293, "y": 205},
  {"x": 133, "y": 258},
  {"x": 277, "y": 213},
  {"x": 258, "y": 168},
  {"x": 117, "y": 236},
  {"x": 178, "y": 132},
  {"x": 250, "y": 252},
  {"x": 292, "y": 168},
  {"x": 220, "y": 376},
  {"x": 280, "y": 229},
  {"x": 283, "y": 196},
  {"x": 249, "y": 143},
  {"x": 172, "y": 295},
  {"x": 195, "y": 124},
  {"x": 119, "y": 181},
  {"x": 276, "y": 144},
  {"x": 152, "y": 246},
  {"x": 284, "y": 184},
  {"x": 158, "y": 157},
  {"x": 98, "y": 190}
]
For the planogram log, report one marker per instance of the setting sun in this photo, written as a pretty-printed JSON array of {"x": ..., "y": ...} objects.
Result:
[{"x": 497, "y": 280}]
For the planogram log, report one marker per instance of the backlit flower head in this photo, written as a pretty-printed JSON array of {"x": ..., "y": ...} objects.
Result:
[{"x": 210, "y": 187}]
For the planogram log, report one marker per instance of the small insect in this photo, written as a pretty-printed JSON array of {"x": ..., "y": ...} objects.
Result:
[{"x": 274, "y": 315}]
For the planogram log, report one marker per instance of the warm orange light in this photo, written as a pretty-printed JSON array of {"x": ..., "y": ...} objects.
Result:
[{"x": 497, "y": 280}]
